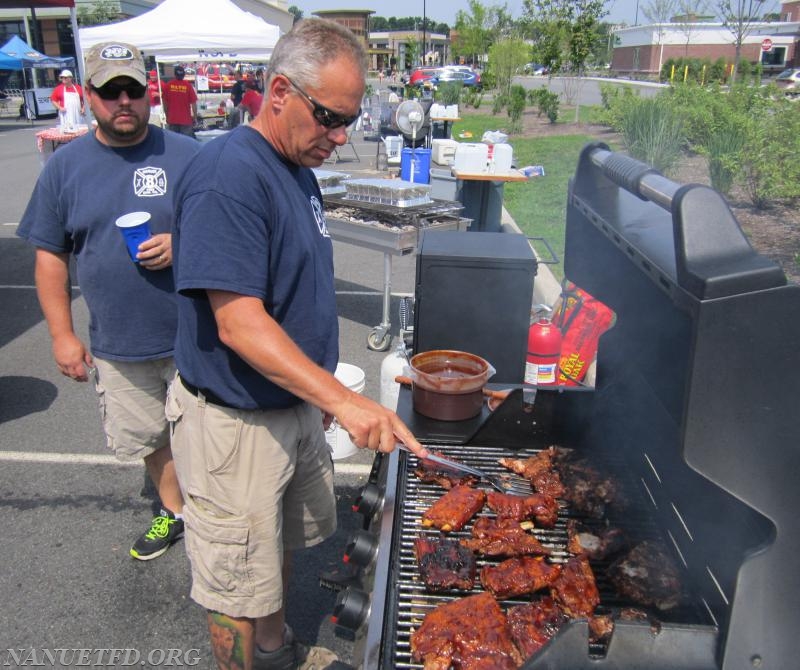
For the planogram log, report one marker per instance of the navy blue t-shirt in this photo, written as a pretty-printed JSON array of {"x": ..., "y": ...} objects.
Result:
[
  {"x": 82, "y": 190},
  {"x": 251, "y": 223}
]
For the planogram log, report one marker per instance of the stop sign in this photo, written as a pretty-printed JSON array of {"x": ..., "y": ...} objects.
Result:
[{"x": 766, "y": 44}]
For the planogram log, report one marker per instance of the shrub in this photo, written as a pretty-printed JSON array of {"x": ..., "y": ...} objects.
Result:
[
  {"x": 724, "y": 150},
  {"x": 515, "y": 107},
  {"x": 499, "y": 102},
  {"x": 449, "y": 93},
  {"x": 653, "y": 133},
  {"x": 771, "y": 156},
  {"x": 546, "y": 103},
  {"x": 472, "y": 97}
]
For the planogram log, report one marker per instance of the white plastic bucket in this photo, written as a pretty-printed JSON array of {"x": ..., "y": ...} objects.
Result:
[{"x": 338, "y": 440}]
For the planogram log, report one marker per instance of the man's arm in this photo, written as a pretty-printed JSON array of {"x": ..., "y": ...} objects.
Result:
[
  {"x": 257, "y": 338},
  {"x": 54, "y": 292}
]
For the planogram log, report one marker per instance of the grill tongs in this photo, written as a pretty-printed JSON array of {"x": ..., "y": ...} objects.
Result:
[{"x": 495, "y": 481}]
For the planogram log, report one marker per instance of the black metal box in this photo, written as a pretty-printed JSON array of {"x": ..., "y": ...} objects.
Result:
[{"x": 473, "y": 293}]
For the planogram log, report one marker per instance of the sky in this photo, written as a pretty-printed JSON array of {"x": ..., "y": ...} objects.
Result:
[{"x": 444, "y": 11}]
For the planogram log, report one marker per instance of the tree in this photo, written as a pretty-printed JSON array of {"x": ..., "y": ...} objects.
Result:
[
  {"x": 472, "y": 39},
  {"x": 506, "y": 57},
  {"x": 688, "y": 11},
  {"x": 101, "y": 12},
  {"x": 295, "y": 11},
  {"x": 567, "y": 35},
  {"x": 739, "y": 17}
]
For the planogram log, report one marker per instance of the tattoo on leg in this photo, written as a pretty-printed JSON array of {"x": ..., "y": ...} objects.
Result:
[{"x": 226, "y": 642}]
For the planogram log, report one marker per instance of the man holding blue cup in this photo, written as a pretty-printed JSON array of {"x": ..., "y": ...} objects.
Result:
[{"x": 125, "y": 167}]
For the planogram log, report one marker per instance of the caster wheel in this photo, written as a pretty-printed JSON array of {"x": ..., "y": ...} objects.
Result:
[{"x": 378, "y": 342}]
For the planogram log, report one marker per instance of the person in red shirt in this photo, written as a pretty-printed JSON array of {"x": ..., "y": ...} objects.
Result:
[
  {"x": 251, "y": 100},
  {"x": 154, "y": 94},
  {"x": 67, "y": 98},
  {"x": 180, "y": 103}
]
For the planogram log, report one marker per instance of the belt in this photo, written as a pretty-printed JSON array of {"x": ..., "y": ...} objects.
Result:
[{"x": 210, "y": 397}]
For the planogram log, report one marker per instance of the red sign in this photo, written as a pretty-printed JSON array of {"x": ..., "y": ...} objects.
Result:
[{"x": 766, "y": 44}]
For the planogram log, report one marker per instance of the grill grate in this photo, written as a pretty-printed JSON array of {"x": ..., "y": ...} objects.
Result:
[{"x": 411, "y": 602}]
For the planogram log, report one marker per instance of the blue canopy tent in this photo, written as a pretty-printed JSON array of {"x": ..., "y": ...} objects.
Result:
[{"x": 17, "y": 54}]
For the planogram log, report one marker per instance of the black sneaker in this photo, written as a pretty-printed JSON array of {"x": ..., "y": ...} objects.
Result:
[
  {"x": 293, "y": 655},
  {"x": 164, "y": 530}
]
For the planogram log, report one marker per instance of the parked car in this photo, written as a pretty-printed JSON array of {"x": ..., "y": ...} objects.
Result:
[
  {"x": 789, "y": 81},
  {"x": 535, "y": 69},
  {"x": 421, "y": 76},
  {"x": 467, "y": 77}
]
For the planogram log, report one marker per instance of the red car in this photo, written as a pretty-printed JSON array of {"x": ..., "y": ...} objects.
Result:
[{"x": 422, "y": 75}]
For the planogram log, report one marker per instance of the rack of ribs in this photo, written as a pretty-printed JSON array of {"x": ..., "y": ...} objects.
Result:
[
  {"x": 539, "y": 506},
  {"x": 574, "y": 588},
  {"x": 502, "y": 537},
  {"x": 468, "y": 633},
  {"x": 538, "y": 470},
  {"x": 534, "y": 624},
  {"x": 454, "y": 509},
  {"x": 434, "y": 473},
  {"x": 444, "y": 564},
  {"x": 518, "y": 576}
]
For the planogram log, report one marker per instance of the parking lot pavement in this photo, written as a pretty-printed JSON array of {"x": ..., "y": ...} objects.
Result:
[{"x": 70, "y": 512}]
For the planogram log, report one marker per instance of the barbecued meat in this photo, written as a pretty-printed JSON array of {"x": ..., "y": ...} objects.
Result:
[
  {"x": 518, "y": 576},
  {"x": 502, "y": 537},
  {"x": 575, "y": 589},
  {"x": 455, "y": 508},
  {"x": 467, "y": 634},
  {"x": 534, "y": 624},
  {"x": 647, "y": 575},
  {"x": 601, "y": 628},
  {"x": 588, "y": 491},
  {"x": 539, "y": 506},
  {"x": 445, "y": 564},
  {"x": 538, "y": 470},
  {"x": 595, "y": 544},
  {"x": 434, "y": 473}
]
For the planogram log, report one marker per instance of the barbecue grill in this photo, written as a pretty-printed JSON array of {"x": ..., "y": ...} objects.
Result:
[
  {"x": 392, "y": 230},
  {"x": 693, "y": 415}
]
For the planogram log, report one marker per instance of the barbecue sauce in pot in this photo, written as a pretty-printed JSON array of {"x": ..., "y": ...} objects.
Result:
[{"x": 448, "y": 384}]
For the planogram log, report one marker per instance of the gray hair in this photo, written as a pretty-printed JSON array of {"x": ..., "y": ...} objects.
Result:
[{"x": 312, "y": 44}]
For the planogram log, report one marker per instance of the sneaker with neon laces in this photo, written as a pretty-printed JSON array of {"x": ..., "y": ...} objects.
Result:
[
  {"x": 164, "y": 530},
  {"x": 293, "y": 655}
]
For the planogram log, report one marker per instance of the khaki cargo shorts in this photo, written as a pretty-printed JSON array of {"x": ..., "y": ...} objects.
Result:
[
  {"x": 132, "y": 397},
  {"x": 256, "y": 484}
]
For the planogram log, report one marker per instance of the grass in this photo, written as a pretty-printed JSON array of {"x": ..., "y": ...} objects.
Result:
[{"x": 538, "y": 206}]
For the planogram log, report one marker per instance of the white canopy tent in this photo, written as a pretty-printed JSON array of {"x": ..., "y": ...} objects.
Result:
[{"x": 191, "y": 30}]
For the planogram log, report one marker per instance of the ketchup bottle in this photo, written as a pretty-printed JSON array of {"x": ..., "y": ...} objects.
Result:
[{"x": 544, "y": 349}]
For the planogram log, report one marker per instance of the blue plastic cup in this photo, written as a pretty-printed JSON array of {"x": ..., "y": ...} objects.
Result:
[{"x": 134, "y": 230}]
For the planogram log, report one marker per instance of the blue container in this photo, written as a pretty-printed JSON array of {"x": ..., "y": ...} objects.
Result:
[{"x": 421, "y": 159}]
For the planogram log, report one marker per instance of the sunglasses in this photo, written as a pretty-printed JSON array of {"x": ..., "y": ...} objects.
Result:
[
  {"x": 324, "y": 116},
  {"x": 111, "y": 91}
]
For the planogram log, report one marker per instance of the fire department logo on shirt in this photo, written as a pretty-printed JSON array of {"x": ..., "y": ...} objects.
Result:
[
  {"x": 149, "y": 182},
  {"x": 316, "y": 206}
]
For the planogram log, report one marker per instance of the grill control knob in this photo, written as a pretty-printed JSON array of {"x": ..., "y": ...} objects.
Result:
[
  {"x": 369, "y": 501},
  {"x": 351, "y": 609},
  {"x": 361, "y": 549}
]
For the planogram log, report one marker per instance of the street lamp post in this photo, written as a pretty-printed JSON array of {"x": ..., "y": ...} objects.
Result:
[{"x": 424, "y": 16}]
